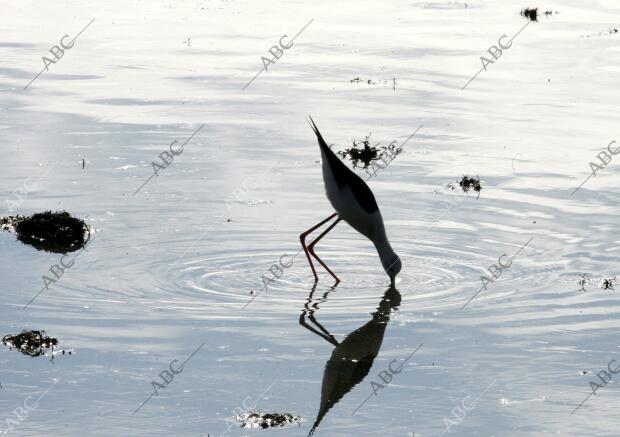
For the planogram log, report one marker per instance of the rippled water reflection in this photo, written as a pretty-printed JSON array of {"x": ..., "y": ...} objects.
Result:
[{"x": 174, "y": 266}]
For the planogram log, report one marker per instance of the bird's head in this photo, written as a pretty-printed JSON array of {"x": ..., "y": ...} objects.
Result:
[{"x": 393, "y": 268}]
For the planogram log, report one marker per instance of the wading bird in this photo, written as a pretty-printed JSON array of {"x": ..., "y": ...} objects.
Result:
[{"x": 355, "y": 204}]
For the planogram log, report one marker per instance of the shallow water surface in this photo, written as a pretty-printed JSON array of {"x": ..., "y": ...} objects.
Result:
[{"x": 175, "y": 271}]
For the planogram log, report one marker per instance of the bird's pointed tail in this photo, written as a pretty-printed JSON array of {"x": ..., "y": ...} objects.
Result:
[
  {"x": 319, "y": 137},
  {"x": 314, "y": 427}
]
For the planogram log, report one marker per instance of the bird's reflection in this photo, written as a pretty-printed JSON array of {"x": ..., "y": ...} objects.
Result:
[{"x": 352, "y": 357}]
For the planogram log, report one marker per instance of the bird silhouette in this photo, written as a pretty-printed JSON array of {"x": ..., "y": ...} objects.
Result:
[
  {"x": 354, "y": 203},
  {"x": 353, "y": 357}
]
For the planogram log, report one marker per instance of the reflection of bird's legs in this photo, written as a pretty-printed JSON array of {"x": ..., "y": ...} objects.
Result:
[
  {"x": 321, "y": 300},
  {"x": 303, "y": 236},
  {"x": 313, "y": 318},
  {"x": 302, "y": 318},
  {"x": 330, "y": 338},
  {"x": 311, "y": 249}
]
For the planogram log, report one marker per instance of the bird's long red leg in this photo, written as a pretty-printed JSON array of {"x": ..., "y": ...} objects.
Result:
[
  {"x": 311, "y": 250},
  {"x": 302, "y": 238}
]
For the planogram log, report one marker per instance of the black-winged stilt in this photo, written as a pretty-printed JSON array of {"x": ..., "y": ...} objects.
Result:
[{"x": 355, "y": 204}]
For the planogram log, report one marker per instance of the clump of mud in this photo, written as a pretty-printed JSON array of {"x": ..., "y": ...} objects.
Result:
[
  {"x": 32, "y": 343},
  {"x": 56, "y": 232},
  {"x": 266, "y": 420},
  {"x": 362, "y": 154}
]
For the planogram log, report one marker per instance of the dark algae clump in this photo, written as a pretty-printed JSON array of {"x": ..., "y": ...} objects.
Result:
[
  {"x": 468, "y": 183},
  {"x": 56, "y": 232},
  {"x": 8, "y": 223},
  {"x": 266, "y": 420},
  {"x": 362, "y": 154},
  {"x": 605, "y": 283},
  {"x": 32, "y": 343},
  {"x": 608, "y": 283},
  {"x": 530, "y": 13}
]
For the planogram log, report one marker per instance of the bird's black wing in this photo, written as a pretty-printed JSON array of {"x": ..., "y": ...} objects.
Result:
[{"x": 345, "y": 176}]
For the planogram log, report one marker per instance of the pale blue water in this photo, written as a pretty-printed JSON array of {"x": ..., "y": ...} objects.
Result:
[{"x": 167, "y": 272}]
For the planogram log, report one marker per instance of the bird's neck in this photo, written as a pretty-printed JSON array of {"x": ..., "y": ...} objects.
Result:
[{"x": 384, "y": 249}]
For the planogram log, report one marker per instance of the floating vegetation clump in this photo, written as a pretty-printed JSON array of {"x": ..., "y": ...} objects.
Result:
[
  {"x": 362, "y": 154},
  {"x": 9, "y": 223},
  {"x": 608, "y": 283},
  {"x": 530, "y": 13},
  {"x": 56, "y": 232},
  {"x": 266, "y": 420},
  {"x": 468, "y": 183},
  {"x": 32, "y": 343},
  {"x": 604, "y": 283},
  {"x": 584, "y": 279}
]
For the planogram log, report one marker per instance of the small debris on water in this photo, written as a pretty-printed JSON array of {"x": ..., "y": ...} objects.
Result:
[
  {"x": 391, "y": 83},
  {"x": 32, "y": 343},
  {"x": 266, "y": 420},
  {"x": 530, "y": 13},
  {"x": 468, "y": 183},
  {"x": 259, "y": 202},
  {"x": 604, "y": 283},
  {"x": 608, "y": 283},
  {"x": 445, "y": 5},
  {"x": 611, "y": 31},
  {"x": 584, "y": 279},
  {"x": 56, "y": 232}
]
